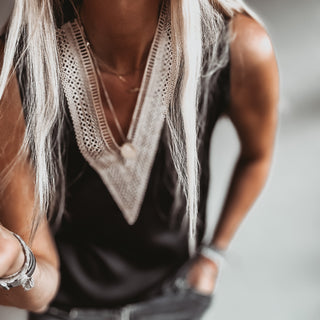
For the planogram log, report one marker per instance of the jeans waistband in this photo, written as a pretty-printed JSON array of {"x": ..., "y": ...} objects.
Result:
[{"x": 80, "y": 313}]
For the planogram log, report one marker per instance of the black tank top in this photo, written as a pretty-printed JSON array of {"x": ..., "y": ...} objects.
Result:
[
  {"x": 104, "y": 261},
  {"x": 107, "y": 263}
]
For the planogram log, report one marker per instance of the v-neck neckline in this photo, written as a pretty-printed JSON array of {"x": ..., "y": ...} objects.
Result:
[
  {"x": 125, "y": 179},
  {"x": 106, "y": 132}
]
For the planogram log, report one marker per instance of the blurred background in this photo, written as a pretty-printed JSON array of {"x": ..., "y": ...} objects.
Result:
[{"x": 273, "y": 265}]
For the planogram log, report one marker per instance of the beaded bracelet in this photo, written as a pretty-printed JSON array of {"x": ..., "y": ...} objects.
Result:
[{"x": 24, "y": 276}]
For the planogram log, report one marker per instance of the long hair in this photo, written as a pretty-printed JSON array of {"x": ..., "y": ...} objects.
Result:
[{"x": 198, "y": 27}]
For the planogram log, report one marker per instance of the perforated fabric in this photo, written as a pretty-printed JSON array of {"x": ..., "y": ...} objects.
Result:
[{"x": 125, "y": 179}]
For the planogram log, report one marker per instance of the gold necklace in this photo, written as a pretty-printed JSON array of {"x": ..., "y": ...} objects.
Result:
[
  {"x": 127, "y": 150},
  {"x": 120, "y": 76}
]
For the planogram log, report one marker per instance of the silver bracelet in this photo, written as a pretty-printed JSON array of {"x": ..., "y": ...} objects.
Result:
[
  {"x": 24, "y": 276},
  {"x": 212, "y": 253},
  {"x": 216, "y": 256}
]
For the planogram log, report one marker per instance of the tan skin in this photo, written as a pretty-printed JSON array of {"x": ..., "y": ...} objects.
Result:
[{"x": 121, "y": 33}]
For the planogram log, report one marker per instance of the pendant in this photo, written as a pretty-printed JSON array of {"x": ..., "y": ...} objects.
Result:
[{"x": 128, "y": 151}]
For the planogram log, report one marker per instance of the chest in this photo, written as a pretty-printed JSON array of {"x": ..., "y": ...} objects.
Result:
[
  {"x": 140, "y": 115},
  {"x": 119, "y": 97}
]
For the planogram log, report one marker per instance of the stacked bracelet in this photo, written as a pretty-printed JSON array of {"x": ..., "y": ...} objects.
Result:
[{"x": 24, "y": 276}]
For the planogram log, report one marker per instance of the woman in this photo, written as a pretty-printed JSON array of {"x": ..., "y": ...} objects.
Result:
[{"x": 109, "y": 110}]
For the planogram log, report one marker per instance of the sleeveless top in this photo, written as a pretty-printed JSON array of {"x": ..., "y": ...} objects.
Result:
[{"x": 107, "y": 262}]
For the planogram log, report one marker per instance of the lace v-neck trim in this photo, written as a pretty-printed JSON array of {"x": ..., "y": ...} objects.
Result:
[
  {"x": 94, "y": 82},
  {"x": 126, "y": 180}
]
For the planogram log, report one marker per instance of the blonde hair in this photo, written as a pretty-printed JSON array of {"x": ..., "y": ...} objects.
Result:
[{"x": 200, "y": 30}]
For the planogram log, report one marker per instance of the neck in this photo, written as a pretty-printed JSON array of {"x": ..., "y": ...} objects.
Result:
[{"x": 120, "y": 31}]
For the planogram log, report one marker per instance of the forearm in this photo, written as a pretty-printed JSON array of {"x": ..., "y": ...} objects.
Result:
[
  {"x": 46, "y": 281},
  {"x": 12, "y": 259},
  {"x": 246, "y": 184},
  {"x": 16, "y": 219}
]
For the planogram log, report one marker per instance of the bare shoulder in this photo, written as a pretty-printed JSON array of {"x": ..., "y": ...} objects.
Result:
[
  {"x": 254, "y": 86},
  {"x": 254, "y": 70},
  {"x": 250, "y": 43}
]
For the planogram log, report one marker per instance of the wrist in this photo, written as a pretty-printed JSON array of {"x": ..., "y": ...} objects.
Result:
[
  {"x": 214, "y": 254},
  {"x": 23, "y": 277},
  {"x": 214, "y": 258},
  {"x": 17, "y": 265},
  {"x": 220, "y": 243}
]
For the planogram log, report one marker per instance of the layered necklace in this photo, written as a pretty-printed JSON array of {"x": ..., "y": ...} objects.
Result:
[
  {"x": 120, "y": 76},
  {"x": 124, "y": 169},
  {"x": 126, "y": 149}
]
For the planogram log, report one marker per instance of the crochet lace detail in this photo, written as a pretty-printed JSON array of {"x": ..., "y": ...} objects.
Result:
[{"x": 126, "y": 179}]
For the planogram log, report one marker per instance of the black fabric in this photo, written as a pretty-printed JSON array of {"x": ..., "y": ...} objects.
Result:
[
  {"x": 106, "y": 263},
  {"x": 177, "y": 300}
]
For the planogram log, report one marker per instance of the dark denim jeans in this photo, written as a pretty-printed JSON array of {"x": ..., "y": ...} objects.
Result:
[{"x": 177, "y": 301}]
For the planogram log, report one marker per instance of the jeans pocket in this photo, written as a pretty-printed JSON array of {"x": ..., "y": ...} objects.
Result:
[
  {"x": 180, "y": 281},
  {"x": 182, "y": 285}
]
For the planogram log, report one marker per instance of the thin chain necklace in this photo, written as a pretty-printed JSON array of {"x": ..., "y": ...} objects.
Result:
[
  {"x": 127, "y": 150},
  {"x": 121, "y": 76}
]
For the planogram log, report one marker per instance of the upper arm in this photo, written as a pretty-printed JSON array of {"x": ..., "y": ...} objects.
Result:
[
  {"x": 17, "y": 190},
  {"x": 254, "y": 88}
]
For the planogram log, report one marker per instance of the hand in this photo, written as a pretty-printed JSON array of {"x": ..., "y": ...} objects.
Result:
[
  {"x": 11, "y": 253},
  {"x": 202, "y": 275}
]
